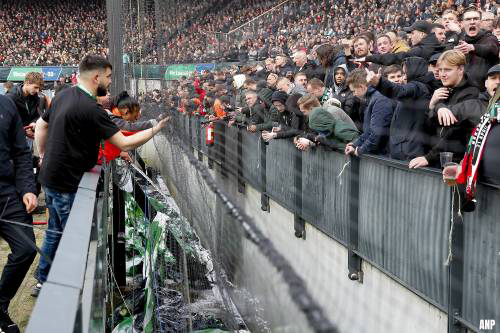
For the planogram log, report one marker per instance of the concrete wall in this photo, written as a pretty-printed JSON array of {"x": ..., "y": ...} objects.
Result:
[{"x": 379, "y": 304}]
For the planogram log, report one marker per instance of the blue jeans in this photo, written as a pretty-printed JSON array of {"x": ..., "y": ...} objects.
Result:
[{"x": 59, "y": 205}]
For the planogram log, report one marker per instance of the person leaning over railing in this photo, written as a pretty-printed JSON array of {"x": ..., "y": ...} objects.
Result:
[
  {"x": 17, "y": 201},
  {"x": 68, "y": 137},
  {"x": 339, "y": 128}
]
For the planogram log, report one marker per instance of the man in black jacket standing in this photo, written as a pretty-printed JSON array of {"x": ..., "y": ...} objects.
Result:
[
  {"x": 17, "y": 201},
  {"x": 480, "y": 47},
  {"x": 424, "y": 45},
  {"x": 25, "y": 96}
]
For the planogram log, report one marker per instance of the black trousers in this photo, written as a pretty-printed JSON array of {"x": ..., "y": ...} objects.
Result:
[{"x": 21, "y": 240}]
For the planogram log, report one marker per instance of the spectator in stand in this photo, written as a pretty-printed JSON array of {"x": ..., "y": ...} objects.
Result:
[
  {"x": 332, "y": 131},
  {"x": 272, "y": 80},
  {"x": 399, "y": 45},
  {"x": 393, "y": 73},
  {"x": 480, "y": 47},
  {"x": 433, "y": 67},
  {"x": 487, "y": 20},
  {"x": 283, "y": 66},
  {"x": 310, "y": 137},
  {"x": 284, "y": 117},
  {"x": 384, "y": 44},
  {"x": 439, "y": 31},
  {"x": 289, "y": 88},
  {"x": 456, "y": 88},
  {"x": 300, "y": 79},
  {"x": 452, "y": 28},
  {"x": 424, "y": 45},
  {"x": 18, "y": 201},
  {"x": 408, "y": 138},
  {"x": 303, "y": 65},
  {"x": 462, "y": 118},
  {"x": 330, "y": 57},
  {"x": 377, "y": 117},
  {"x": 318, "y": 90}
]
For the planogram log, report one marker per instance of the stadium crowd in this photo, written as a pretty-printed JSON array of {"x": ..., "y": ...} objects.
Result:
[
  {"x": 410, "y": 95},
  {"x": 50, "y": 32},
  {"x": 409, "y": 81}
]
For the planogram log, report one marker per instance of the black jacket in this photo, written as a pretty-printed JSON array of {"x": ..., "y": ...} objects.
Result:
[
  {"x": 311, "y": 70},
  {"x": 482, "y": 58},
  {"x": 455, "y": 138},
  {"x": 428, "y": 46},
  {"x": 27, "y": 106},
  {"x": 16, "y": 165},
  {"x": 408, "y": 138},
  {"x": 293, "y": 123},
  {"x": 465, "y": 90}
]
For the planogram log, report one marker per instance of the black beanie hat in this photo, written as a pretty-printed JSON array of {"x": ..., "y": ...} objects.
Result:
[{"x": 280, "y": 97}]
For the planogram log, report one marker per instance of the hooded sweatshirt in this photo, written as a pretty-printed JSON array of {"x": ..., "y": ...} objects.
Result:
[{"x": 333, "y": 132}]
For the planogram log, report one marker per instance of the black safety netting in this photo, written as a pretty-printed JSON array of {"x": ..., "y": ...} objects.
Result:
[{"x": 254, "y": 234}]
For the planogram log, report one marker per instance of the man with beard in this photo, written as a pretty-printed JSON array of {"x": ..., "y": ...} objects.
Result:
[
  {"x": 68, "y": 137},
  {"x": 479, "y": 47}
]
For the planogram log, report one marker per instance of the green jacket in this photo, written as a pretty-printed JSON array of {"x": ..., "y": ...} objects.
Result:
[{"x": 332, "y": 132}]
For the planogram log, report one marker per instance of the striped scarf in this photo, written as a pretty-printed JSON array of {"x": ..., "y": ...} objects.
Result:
[{"x": 475, "y": 149}]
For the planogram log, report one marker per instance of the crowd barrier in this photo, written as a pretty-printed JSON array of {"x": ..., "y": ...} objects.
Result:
[
  {"x": 73, "y": 299},
  {"x": 395, "y": 218}
]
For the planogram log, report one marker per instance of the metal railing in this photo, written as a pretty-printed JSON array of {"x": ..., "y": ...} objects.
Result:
[
  {"x": 73, "y": 297},
  {"x": 395, "y": 218}
]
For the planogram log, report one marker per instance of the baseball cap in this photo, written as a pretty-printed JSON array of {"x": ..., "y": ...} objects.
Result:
[
  {"x": 494, "y": 70},
  {"x": 423, "y": 26},
  {"x": 434, "y": 57}
]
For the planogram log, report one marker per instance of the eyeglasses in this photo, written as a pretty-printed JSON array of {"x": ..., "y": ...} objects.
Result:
[{"x": 477, "y": 18}]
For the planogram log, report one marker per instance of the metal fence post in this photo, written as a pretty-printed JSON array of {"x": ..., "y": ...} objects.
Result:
[
  {"x": 241, "y": 182},
  {"x": 222, "y": 148},
  {"x": 299, "y": 224},
  {"x": 118, "y": 234},
  {"x": 198, "y": 138},
  {"x": 353, "y": 260},
  {"x": 264, "y": 198},
  {"x": 456, "y": 268}
]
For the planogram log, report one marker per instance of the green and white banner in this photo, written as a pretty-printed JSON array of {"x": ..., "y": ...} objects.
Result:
[{"x": 18, "y": 73}]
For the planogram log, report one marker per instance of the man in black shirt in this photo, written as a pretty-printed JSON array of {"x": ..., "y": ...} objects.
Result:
[
  {"x": 68, "y": 136},
  {"x": 17, "y": 201}
]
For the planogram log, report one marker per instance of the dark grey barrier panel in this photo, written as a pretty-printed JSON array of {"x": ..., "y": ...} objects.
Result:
[
  {"x": 62, "y": 292},
  {"x": 194, "y": 130},
  {"x": 251, "y": 158},
  {"x": 203, "y": 134},
  {"x": 404, "y": 218},
  {"x": 232, "y": 150},
  {"x": 280, "y": 173},
  {"x": 55, "y": 310},
  {"x": 69, "y": 266},
  {"x": 481, "y": 291},
  {"x": 325, "y": 200}
]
